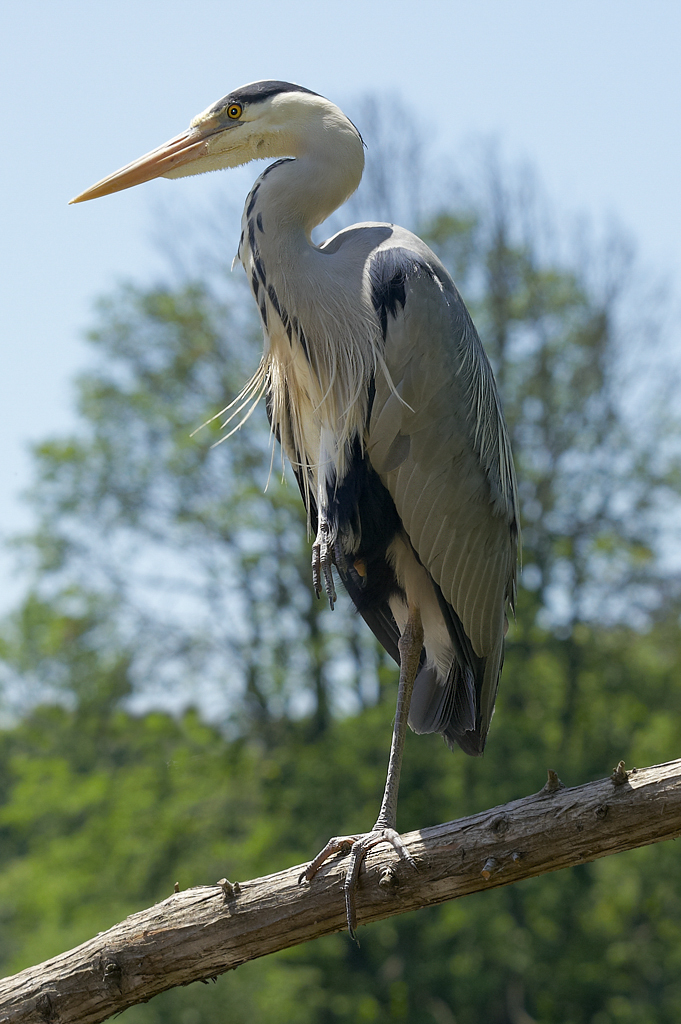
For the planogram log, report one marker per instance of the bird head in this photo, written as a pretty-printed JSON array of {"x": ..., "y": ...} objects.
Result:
[{"x": 261, "y": 120}]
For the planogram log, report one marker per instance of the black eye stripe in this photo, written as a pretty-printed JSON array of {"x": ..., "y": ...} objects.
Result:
[{"x": 257, "y": 92}]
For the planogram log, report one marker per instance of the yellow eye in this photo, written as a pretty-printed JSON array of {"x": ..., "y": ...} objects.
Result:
[{"x": 234, "y": 110}]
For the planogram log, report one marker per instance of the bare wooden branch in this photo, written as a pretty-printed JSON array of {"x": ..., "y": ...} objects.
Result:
[{"x": 201, "y": 932}]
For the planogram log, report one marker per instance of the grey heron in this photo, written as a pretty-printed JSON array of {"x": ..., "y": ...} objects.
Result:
[{"x": 384, "y": 402}]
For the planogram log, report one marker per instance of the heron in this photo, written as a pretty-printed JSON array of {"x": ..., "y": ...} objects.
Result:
[{"x": 384, "y": 403}]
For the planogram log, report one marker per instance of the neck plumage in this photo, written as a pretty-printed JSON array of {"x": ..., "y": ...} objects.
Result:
[
  {"x": 320, "y": 330},
  {"x": 326, "y": 169}
]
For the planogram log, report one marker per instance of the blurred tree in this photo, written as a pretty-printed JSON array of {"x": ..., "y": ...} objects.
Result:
[{"x": 206, "y": 577}]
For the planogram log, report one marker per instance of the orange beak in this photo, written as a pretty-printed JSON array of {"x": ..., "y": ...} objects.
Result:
[{"x": 181, "y": 150}]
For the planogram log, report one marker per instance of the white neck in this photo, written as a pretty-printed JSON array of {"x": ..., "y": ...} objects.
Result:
[
  {"x": 319, "y": 302},
  {"x": 328, "y": 166}
]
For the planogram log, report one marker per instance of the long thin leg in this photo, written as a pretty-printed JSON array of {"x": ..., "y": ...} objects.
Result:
[{"x": 410, "y": 645}]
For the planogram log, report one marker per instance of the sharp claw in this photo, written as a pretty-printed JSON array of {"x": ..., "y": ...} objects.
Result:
[{"x": 394, "y": 838}]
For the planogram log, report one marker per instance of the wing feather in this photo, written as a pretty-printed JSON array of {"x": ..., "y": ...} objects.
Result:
[{"x": 438, "y": 441}]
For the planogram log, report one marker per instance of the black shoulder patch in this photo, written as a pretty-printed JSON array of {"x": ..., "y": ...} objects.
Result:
[
  {"x": 389, "y": 271},
  {"x": 257, "y": 92}
]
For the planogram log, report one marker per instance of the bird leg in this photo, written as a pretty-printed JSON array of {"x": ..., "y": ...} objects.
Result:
[
  {"x": 322, "y": 558},
  {"x": 384, "y": 831}
]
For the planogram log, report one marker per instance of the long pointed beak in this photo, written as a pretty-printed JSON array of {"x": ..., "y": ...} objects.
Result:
[{"x": 180, "y": 150}]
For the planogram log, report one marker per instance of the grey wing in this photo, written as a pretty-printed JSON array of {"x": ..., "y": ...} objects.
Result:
[{"x": 438, "y": 441}]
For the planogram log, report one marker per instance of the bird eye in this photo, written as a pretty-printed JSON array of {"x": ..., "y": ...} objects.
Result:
[{"x": 234, "y": 110}]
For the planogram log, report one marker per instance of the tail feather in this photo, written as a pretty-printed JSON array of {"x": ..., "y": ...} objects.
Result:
[{"x": 447, "y": 707}]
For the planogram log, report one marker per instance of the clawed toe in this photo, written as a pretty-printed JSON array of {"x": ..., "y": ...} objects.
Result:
[
  {"x": 357, "y": 854},
  {"x": 339, "y": 844},
  {"x": 357, "y": 847}
]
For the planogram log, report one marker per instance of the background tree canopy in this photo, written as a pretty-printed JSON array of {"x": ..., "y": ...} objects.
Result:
[{"x": 180, "y": 707}]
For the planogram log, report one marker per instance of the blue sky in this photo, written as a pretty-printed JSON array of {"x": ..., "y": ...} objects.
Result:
[{"x": 589, "y": 91}]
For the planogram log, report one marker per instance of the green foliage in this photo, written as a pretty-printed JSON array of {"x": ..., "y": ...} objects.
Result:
[{"x": 100, "y": 818}]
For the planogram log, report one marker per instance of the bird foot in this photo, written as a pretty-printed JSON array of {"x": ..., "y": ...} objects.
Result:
[
  {"x": 322, "y": 561},
  {"x": 357, "y": 847}
]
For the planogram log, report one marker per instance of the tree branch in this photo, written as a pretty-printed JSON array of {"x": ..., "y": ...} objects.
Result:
[{"x": 201, "y": 932}]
